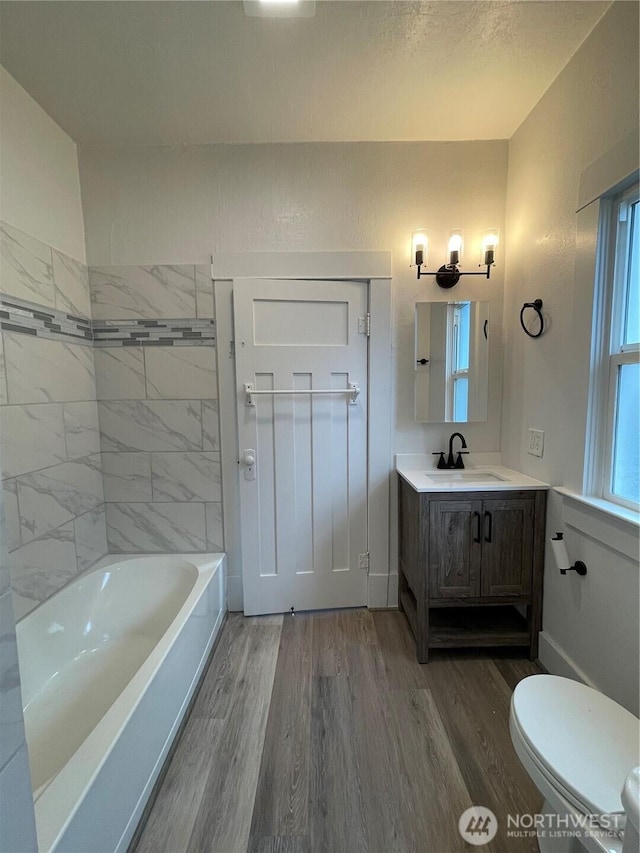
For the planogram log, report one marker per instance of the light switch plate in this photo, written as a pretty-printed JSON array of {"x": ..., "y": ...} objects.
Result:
[{"x": 536, "y": 442}]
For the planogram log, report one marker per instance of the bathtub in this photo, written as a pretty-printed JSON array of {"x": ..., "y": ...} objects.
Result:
[{"x": 108, "y": 666}]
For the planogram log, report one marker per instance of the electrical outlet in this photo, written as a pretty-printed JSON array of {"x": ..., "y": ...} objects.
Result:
[{"x": 536, "y": 442}]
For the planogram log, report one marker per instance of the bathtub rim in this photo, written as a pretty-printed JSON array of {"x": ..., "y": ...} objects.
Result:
[
  {"x": 58, "y": 802},
  {"x": 104, "y": 563}
]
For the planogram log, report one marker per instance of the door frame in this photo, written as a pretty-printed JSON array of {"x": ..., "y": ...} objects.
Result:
[{"x": 372, "y": 268}]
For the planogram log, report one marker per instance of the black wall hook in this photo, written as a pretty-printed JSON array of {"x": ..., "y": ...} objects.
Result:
[{"x": 537, "y": 306}]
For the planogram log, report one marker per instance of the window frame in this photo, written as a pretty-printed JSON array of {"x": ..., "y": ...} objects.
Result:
[{"x": 610, "y": 353}]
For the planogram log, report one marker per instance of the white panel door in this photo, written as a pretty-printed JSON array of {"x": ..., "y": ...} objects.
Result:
[{"x": 304, "y": 498}]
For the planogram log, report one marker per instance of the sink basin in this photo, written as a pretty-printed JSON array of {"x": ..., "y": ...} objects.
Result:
[{"x": 465, "y": 476}]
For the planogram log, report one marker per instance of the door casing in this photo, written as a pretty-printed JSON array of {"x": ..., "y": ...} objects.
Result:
[{"x": 373, "y": 268}]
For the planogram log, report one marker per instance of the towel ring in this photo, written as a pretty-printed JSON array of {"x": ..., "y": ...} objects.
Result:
[{"x": 536, "y": 305}]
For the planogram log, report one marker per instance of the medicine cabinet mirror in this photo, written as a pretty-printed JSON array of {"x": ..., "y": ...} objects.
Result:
[{"x": 451, "y": 361}]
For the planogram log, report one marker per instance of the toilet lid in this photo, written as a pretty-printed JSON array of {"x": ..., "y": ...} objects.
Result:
[{"x": 585, "y": 740}]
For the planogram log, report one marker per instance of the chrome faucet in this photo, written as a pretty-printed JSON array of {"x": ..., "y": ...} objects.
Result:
[{"x": 451, "y": 463}]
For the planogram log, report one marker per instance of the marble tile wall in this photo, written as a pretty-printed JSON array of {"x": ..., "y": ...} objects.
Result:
[
  {"x": 17, "y": 824},
  {"x": 143, "y": 293},
  {"x": 49, "y": 434},
  {"x": 151, "y": 292},
  {"x": 160, "y": 448},
  {"x": 33, "y": 271},
  {"x": 158, "y": 409},
  {"x": 108, "y": 392}
]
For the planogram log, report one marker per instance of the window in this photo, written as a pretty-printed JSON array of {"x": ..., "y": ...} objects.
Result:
[
  {"x": 458, "y": 362},
  {"x": 619, "y": 479}
]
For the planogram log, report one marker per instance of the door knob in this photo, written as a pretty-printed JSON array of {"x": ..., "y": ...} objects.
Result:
[{"x": 249, "y": 459}]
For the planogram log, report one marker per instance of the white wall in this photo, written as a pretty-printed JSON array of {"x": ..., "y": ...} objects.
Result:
[
  {"x": 591, "y": 106},
  {"x": 38, "y": 173},
  {"x": 175, "y": 205}
]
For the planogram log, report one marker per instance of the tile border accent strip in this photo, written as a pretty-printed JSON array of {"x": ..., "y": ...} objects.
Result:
[
  {"x": 114, "y": 333},
  {"x": 29, "y": 318}
]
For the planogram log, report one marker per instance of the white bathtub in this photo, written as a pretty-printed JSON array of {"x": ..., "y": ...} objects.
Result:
[{"x": 108, "y": 666}]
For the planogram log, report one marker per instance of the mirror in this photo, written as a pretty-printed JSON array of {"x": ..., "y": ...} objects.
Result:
[{"x": 451, "y": 361}]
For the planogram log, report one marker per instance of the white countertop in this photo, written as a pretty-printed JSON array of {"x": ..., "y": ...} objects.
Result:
[{"x": 423, "y": 476}]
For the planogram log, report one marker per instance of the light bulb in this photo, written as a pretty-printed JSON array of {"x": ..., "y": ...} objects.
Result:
[
  {"x": 419, "y": 244},
  {"x": 489, "y": 243},
  {"x": 454, "y": 248}
]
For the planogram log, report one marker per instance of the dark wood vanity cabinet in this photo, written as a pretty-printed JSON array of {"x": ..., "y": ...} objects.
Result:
[{"x": 470, "y": 565}]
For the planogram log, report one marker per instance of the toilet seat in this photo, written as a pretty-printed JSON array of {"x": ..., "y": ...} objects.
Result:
[{"x": 582, "y": 742}]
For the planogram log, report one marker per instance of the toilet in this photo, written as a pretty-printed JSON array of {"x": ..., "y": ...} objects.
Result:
[{"x": 580, "y": 749}]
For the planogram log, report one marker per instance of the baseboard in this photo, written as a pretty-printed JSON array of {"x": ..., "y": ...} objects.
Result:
[
  {"x": 378, "y": 586},
  {"x": 392, "y": 591},
  {"x": 557, "y": 662},
  {"x": 383, "y": 592},
  {"x": 234, "y": 594}
]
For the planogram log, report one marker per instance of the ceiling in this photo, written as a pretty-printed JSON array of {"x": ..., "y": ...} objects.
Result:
[{"x": 181, "y": 72}]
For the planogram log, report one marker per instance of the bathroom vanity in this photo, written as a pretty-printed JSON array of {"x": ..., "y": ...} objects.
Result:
[{"x": 471, "y": 557}]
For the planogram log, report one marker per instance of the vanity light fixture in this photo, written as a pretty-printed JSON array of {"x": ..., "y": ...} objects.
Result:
[{"x": 449, "y": 274}]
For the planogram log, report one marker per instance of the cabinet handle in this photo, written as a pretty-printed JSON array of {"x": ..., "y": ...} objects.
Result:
[
  {"x": 488, "y": 518},
  {"x": 477, "y": 538}
]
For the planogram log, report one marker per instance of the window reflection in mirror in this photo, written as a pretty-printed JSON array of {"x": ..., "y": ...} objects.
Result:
[{"x": 451, "y": 361}]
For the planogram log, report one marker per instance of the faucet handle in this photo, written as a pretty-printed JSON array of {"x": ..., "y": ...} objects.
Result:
[
  {"x": 441, "y": 462},
  {"x": 459, "y": 462}
]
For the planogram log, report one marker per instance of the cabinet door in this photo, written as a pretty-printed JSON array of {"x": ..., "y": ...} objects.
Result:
[
  {"x": 454, "y": 548},
  {"x": 507, "y": 546}
]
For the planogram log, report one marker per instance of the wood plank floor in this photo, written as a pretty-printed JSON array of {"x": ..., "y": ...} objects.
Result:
[{"x": 321, "y": 733}]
